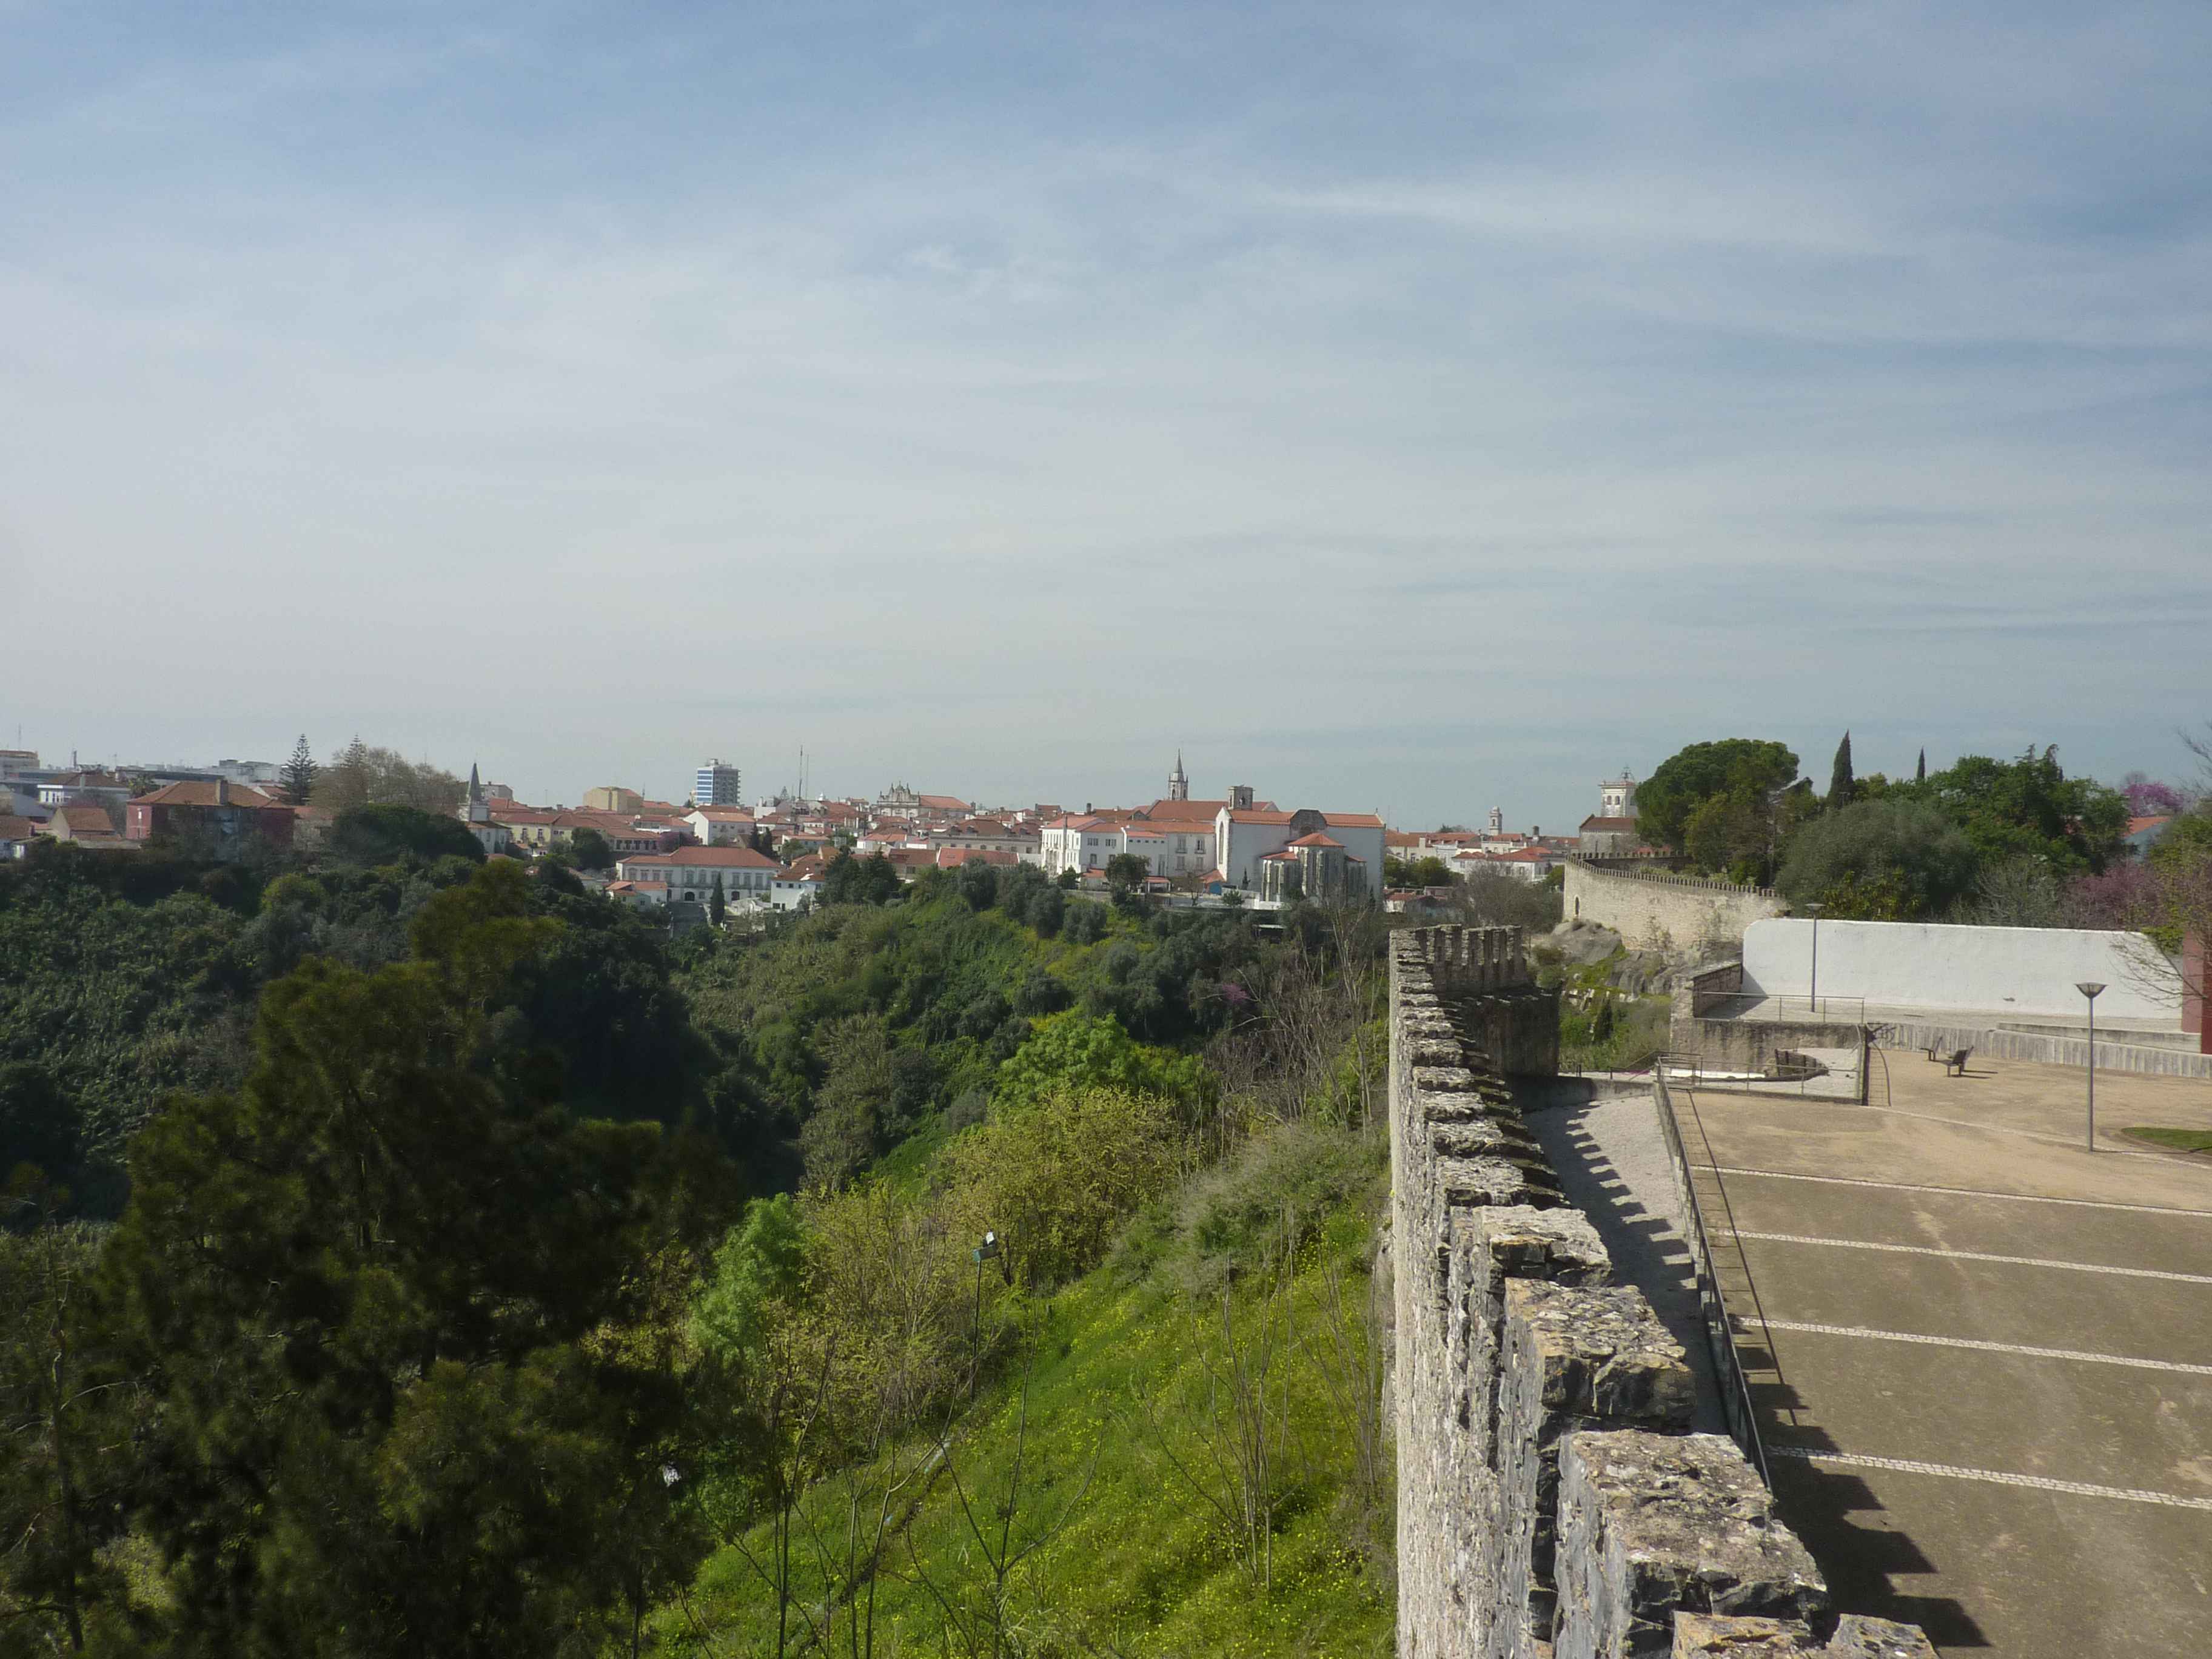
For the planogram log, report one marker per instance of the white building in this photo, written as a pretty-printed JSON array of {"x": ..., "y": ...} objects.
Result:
[
  {"x": 1176, "y": 835},
  {"x": 1611, "y": 831},
  {"x": 985, "y": 835},
  {"x": 689, "y": 874},
  {"x": 718, "y": 784},
  {"x": 1245, "y": 834},
  {"x": 475, "y": 812},
  {"x": 721, "y": 826},
  {"x": 81, "y": 788},
  {"x": 1531, "y": 863},
  {"x": 795, "y": 889}
]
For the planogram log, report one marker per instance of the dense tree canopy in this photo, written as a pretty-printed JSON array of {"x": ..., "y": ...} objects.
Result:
[
  {"x": 1888, "y": 861},
  {"x": 2029, "y": 807},
  {"x": 1734, "y": 779},
  {"x": 363, "y": 775},
  {"x": 382, "y": 834}
]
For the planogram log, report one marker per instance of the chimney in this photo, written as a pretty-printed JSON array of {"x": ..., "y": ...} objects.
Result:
[{"x": 222, "y": 792}]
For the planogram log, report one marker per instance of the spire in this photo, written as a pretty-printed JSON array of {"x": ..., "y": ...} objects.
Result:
[
  {"x": 1178, "y": 783},
  {"x": 476, "y": 783}
]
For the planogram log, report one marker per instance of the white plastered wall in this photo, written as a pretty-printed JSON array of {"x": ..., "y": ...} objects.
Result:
[{"x": 2030, "y": 971}]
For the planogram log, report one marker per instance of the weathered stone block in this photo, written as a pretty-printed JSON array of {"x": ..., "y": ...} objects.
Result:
[
  {"x": 1651, "y": 1525},
  {"x": 1709, "y": 1636},
  {"x": 1703, "y": 1636},
  {"x": 1860, "y": 1638},
  {"x": 1570, "y": 1358}
]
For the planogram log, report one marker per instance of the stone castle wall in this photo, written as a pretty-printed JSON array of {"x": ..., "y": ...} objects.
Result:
[
  {"x": 1679, "y": 914},
  {"x": 1552, "y": 1503}
]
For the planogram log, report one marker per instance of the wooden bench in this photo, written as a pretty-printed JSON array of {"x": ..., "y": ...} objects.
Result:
[{"x": 1956, "y": 1065}]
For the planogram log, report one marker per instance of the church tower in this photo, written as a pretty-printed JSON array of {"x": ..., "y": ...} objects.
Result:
[
  {"x": 479, "y": 808},
  {"x": 1178, "y": 784}
]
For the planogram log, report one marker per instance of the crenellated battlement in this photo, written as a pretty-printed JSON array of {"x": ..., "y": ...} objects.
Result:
[{"x": 1553, "y": 1503}]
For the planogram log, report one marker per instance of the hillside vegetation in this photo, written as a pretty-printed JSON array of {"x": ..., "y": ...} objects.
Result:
[{"x": 412, "y": 1254}]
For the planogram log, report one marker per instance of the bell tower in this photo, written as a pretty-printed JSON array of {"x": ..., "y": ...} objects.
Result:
[{"x": 1178, "y": 782}]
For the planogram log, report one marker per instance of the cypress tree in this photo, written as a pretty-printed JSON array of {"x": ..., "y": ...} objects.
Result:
[
  {"x": 1920, "y": 772},
  {"x": 1842, "y": 786},
  {"x": 299, "y": 773},
  {"x": 716, "y": 909}
]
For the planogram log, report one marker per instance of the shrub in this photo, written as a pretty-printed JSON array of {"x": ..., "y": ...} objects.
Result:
[
  {"x": 1884, "y": 859},
  {"x": 1287, "y": 1177},
  {"x": 1069, "y": 1050},
  {"x": 1056, "y": 1180}
]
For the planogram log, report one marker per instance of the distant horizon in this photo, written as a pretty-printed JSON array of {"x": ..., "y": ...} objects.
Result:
[{"x": 1868, "y": 759}]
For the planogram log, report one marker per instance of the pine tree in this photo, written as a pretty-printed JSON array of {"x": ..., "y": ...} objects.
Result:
[
  {"x": 299, "y": 773},
  {"x": 1920, "y": 772},
  {"x": 1842, "y": 786}
]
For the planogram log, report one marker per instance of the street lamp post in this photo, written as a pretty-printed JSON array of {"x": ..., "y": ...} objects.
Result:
[
  {"x": 986, "y": 1251},
  {"x": 1813, "y": 993},
  {"x": 2089, "y": 988}
]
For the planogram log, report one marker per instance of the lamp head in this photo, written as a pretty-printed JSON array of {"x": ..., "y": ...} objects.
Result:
[{"x": 2089, "y": 988}]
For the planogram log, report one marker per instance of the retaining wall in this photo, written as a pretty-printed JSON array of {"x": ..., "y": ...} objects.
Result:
[
  {"x": 1996, "y": 1042},
  {"x": 1551, "y": 1503},
  {"x": 1655, "y": 912},
  {"x": 2029, "y": 971}
]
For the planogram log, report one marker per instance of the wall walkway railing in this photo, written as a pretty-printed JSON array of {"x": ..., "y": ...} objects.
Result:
[
  {"x": 1737, "y": 1403},
  {"x": 1627, "y": 867}
]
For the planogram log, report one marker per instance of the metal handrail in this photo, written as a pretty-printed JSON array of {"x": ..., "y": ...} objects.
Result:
[
  {"x": 1733, "y": 1005},
  {"x": 1712, "y": 1304}
]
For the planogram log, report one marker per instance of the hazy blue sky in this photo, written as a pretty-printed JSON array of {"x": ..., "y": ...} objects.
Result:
[{"x": 1404, "y": 407}]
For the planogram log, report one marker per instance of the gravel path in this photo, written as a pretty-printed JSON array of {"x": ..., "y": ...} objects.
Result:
[{"x": 1611, "y": 1157}]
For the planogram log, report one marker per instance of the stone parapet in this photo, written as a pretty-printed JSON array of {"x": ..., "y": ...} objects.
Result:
[
  {"x": 1551, "y": 1500},
  {"x": 1703, "y": 1636}
]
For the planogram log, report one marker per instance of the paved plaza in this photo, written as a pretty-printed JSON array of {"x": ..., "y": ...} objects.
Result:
[{"x": 1981, "y": 1354}]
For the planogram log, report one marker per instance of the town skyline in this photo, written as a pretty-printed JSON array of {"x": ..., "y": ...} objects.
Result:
[{"x": 1556, "y": 806}]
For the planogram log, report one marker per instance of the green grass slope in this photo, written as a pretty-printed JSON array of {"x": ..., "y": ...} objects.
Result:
[{"x": 1182, "y": 1457}]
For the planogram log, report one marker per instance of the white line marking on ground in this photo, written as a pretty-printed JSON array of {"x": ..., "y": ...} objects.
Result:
[
  {"x": 1957, "y": 1192},
  {"x": 1995, "y": 1477},
  {"x": 1966, "y": 1255},
  {"x": 2074, "y": 1141},
  {"x": 1748, "y": 1326}
]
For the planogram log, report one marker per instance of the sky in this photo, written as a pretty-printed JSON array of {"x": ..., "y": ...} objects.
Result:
[{"x": 1406, "y": 408}]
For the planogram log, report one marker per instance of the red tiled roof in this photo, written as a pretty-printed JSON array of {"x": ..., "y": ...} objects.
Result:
[
  {"x": 1207, "y": 810},
  {"x": 203, "y": 794},
  {"x": 81, "y": 822},
  {"x": 718, "y": 858},
  {"x": 13, "y": 827},
  {"x": 1400, "y": 838},
  {"x": 951, "y": 858},
  {"x": 1317, "y": 839},
  {"x": 1351, "y": 820},
  {"x": 1611, "y": 826},
  {"x": 944, "y": 803},
  {"x": 1254, "y": 815},
  {"x": 718, "y": 813}
]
